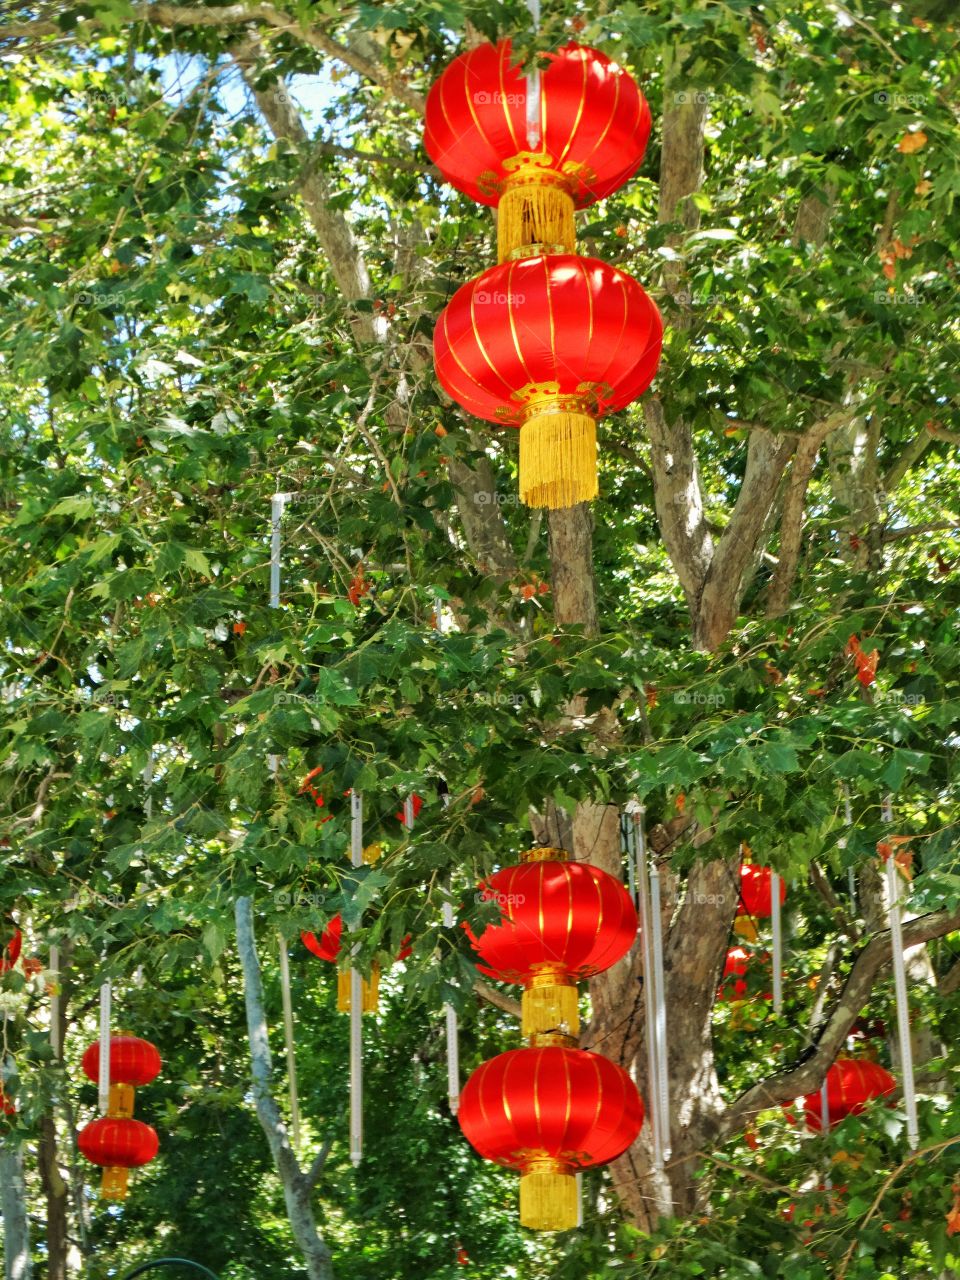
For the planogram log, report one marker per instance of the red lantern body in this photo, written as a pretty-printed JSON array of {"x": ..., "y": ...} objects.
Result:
[
  {"x": 547, "y": 1112},
  {"x": 132, "y": 1061},
  {"x": 852, "y": 1083},
  {"x": 549, "y": 344},
  {"x": 733, "y": 985},
  {"x": 756, "y": 891},
  {"x": 594, "y": 125},
  {"x": 559, "y": 922},
  {"x": 118, "y": 1144}
]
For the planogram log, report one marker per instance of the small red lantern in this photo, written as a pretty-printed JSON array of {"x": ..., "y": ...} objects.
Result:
[
  {"x": 548, "y": 1111},
  {"x": 735, "y": 968},
  {"x": 560, "y": 922},
  {"x": 133, "y": 1061},
  {"x": 118, "y": 1144},
  {"x": 852, "y": 1083},
  {"x": 549, "y": 344},
  {"x": 594, "y": 125},
  {"x": 11, "y": 950},
  {"x": 756, "y": 891},
  {"x": 7, "y": 1106}
]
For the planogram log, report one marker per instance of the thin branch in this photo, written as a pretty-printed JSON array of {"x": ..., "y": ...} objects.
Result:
[{"x": 497, "y": 998}]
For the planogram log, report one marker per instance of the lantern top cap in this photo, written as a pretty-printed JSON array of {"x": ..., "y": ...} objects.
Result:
[
  {"x": 545, "y": 853},
  {"x": 553, "y": 1040}
]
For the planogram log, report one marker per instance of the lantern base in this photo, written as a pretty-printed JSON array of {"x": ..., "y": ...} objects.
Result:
[
  {"x": 371, "y": 991},
  {"x": 534, "y": 210},
  {"x": 558, "y": 459},
  {"x": 551, "y": 1007},
  {"x": 113, "y": 1184},
  {"x": 548, "y": 1200}
]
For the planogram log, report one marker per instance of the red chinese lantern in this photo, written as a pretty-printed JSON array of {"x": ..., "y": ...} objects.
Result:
[
  {"x": 117, "y": 1144},
  {"x": 548, "y": 1111},
  {"x": 133, "y": 1061},
  {"x": 7, "y": 1106},
  {"x": 560, "y": 922},
  {"x": 852, "y": 1083},
  {"x": 11, "y": 950},
  {"x": 593, "y": 126},
  {"x": 549, "y": 344},
  {"x": 735, "y": 968},
  {"x": 116, "y": 1141},
  {"x": 756, "y": 891}
]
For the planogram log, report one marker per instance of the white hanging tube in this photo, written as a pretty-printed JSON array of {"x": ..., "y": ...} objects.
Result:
[
  {"x": 900, "y": 986},
  {"x": 842, "y": 842},
  {"x": 663, "y": 1082},
  {"x": 630, "y": 841},
  {"x": 356, "y": 1001},
  {"x": 104, "y": 1074},
  {"x": 55, "y": 1001},
  {"x": 825, "y": 1125},
  {"x": 288, "y": 1033},
  {"x": 453, "y": 1033},
  {"x": 777, "y": 927},
  {"x": 408, "y": 813},
  {"x": 147, "y": 778},
  {"x": 534, "y": 137},
  {"x": 277, "y": 504},
  {"x": 653, "y": 1072}
]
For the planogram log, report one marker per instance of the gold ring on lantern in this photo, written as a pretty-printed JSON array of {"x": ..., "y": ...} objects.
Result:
[
  {"x": 535, "y": 206},
  {"x": 558, "y": 447}
]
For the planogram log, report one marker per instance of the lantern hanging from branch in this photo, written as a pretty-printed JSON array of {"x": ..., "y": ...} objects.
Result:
[
  {"x": 756, "y": 891},
  {"x": 852, "y": 1083},
  {"x": 116, "y": 1141},
  {"x": 328, "y": 947},
  {"x": 560, "y": 922},
  {"x": 549, "y": 1111},
  {"x": 549, "y": 344},
  {"x": 593, "y": 128},
  {"x": 12, "y": 946}
]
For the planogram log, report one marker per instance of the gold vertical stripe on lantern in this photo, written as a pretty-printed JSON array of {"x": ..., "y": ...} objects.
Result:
[
  {"x": 558, "y": 455},
  {"x": 371, "y": 991},
  {"x": 535, "y": 208},
  {"x": 548, "y": 1196},
  {"x": 113, "y": 1184}
]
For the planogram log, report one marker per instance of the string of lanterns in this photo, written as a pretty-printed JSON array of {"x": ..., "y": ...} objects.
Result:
[
  {"x": 116, "y": 1141},
  {"x": 547, "y": 341}
]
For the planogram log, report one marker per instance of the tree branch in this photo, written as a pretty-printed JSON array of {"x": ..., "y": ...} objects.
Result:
[
  {"x": 807, "y": 1075},
  {"x": 497, "y": 998}
]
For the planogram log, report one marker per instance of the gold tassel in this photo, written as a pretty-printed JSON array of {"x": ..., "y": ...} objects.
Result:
[
  {"x": 550, "y": 1003},
  {"x": 121, "y": 1101},
  {"x": 113, "y": 1184},
  {"x": 558, "y": 457},
  {"x": 548, "y": 1196},
  {"x": 371, "y": 991},
  {"x": 535, "y": 209},
  {"x": 746, "y": 927}
]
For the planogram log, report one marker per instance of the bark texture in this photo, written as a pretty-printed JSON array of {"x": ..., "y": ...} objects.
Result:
[{"x": 17, "y": 1264}]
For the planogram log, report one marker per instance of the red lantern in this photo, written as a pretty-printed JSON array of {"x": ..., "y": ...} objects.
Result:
[
  {"x": 852, "y": 1083},
  {"x": 548, "y": 1111},
  {"x": 327, "y": 947},
  {"x": 735, "y": 967},
  {"x": 756, "y": 891},
  {"x": 11, "y": 950},
  {"x": 559, "y": 922},
  {"x": 594, "y": 124},
  {"x": 132, "y": 1061},
  {"x": 7, "y": 1106},
  {"x": 549, "y": 344},
  {"x": 117, "y": 1144}
]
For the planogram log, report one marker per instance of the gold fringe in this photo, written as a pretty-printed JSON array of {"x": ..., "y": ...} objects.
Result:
[
  {"x": 537, "y": 217},
  {"x": 745, "y": 927},
  {"x": 550, "y": 1005},
  {"x": 113, "y": 1183},
  {"x": 558, "y": 459},
  {"x": 371, "y": 991},
  {"x": 548, "y": 1197}
]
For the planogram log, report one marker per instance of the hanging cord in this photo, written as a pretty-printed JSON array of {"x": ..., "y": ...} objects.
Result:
[
  {"x": 894, "y": 886},
  {"x": 356, "y": 1000}
]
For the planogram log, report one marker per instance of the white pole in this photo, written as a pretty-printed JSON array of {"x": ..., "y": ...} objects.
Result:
[
  {"x": 777, "y": 927},
  {"x": 825, "y": 1125},
  {"x": 277, "y": 503},
  {"x": 842, "y": 842},
  {"x": 900, "y": 986},
  {"x": 288, "y": 1034},
  {"x": 663, "y": 1083},
  {"x": 408, "y": 813},
  {"x": 630, "y": 842},
  {"x": 653, "y": 1072},
  {"x": 147, "y": 777},
  {"x": 356, "y": 1001},
  {"x": 533, "y": 89},
  {"x": 55, "y": 1001},
  {"x": 453, "y": 1033},
  {"x": 104, "y": 1075}
]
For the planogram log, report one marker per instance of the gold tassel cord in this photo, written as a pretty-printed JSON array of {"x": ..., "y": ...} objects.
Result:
[
  {"x": 558, "y": 456},
  {"x": 535, "y": 208},
  {"x": 548, "y": 1196}
]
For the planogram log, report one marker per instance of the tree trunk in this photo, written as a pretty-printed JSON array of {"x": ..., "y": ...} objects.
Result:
[
  {"x": 17, "y": 1264},
  {"x": 297, "y": 1186},
  {"x": 55, "y": 1191}
]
